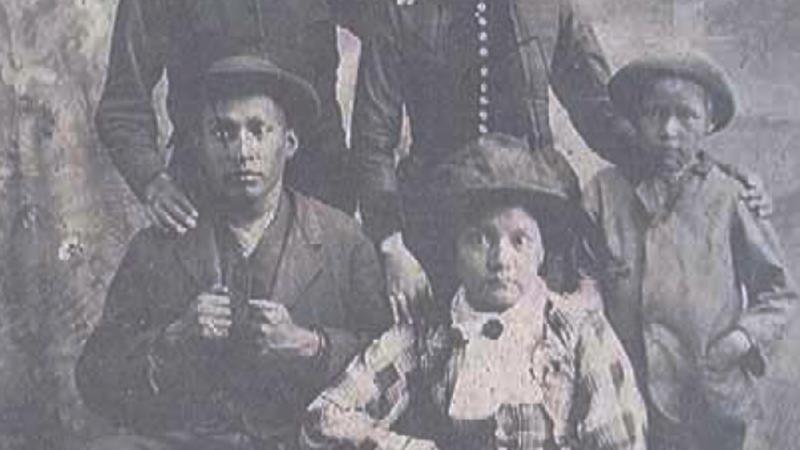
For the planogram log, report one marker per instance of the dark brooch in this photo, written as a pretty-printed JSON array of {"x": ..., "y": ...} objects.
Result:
[{"x": 492, "y": 329}]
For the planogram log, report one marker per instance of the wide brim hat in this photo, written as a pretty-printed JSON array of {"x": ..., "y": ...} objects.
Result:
[
  {"x": 497, "y": 168},
  {"x": 296, "y": 96},
  {"x": 628, "y": 84}
]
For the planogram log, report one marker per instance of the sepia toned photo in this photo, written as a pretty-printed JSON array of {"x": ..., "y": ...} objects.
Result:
[{"x": 399, "y": 224}]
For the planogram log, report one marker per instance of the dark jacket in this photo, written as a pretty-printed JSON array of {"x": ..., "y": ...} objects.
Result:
[
  {"x": 408, "y": 62},
  {"x": 328, "y": 278},
  {"x": 183, "y": 38}
]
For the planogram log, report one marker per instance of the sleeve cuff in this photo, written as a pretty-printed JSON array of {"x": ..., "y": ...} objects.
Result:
[{"x": 138, "y": 167}]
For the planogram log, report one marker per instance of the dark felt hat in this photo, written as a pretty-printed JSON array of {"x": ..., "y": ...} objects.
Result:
[
  {"x": 292, "y": 92},
  {"x": 496, "y": 168},
  {"x": 628, "y": 84}
]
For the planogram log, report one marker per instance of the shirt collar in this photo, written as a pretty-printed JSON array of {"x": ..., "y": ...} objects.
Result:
[
  {"x": 247, "y": 236},
  {"x": 523, "y": 317},
  {"x": 658, "y": 194}
]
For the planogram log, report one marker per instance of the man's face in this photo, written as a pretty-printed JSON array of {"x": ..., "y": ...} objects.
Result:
[
  {"x": 497, "y": 258},
  {"x": 674, "y": 118},
  {"x": 246, "y": 143}
]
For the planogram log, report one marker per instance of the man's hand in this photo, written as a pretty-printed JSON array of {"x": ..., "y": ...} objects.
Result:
[
  {"x": 406, "y": 280},
  {"x": 167, "y": 207},
  {"x": 208, "y": 318},
  {"x": 277, "y": 335},
  {"x": 728, "y": 351},
  {"x": 755, "y": 196}
]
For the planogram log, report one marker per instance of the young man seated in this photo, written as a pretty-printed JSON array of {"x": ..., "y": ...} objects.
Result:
[
  {"x": 219, "y": 338},
  {"x": 524, "y": 362}
]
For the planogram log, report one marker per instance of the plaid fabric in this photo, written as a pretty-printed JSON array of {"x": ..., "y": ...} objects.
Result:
[{"x": 590, "y": 395}]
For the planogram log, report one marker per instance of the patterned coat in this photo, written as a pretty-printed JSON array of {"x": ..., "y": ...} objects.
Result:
[{"x": 405, "y": 382}]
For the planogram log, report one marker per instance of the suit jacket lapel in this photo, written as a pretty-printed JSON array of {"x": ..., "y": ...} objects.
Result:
[
  {"x": 197, "y": 252},
  {"x": 302, "y": 259}
]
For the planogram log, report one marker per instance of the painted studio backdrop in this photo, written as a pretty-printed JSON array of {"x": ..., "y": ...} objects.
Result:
[{"x": 66, "y": 215}]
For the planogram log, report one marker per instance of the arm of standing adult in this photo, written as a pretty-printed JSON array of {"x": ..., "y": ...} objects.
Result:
[
  {"x": 408, "y": 286},
  {"x": 353, "y": 14},
  {"x": 126, "y": 121},
  {"x": 579, "y": 76},
  {"x": 377, "y": 120},
  {"x": 324, "y": 160}
]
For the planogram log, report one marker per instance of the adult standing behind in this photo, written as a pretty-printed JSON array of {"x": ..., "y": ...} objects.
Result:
[
  {"x": 218, "y": 338},
  {"x": 700, "y": 290},
  {"x": 462, "y": 69},
  {"x": 182, "y": 38}
]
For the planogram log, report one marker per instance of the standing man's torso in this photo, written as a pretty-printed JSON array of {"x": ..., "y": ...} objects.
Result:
[{"x": 462, "y": 71}]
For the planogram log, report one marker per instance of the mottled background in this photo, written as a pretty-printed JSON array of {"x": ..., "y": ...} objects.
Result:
[{"x": 65, "y": 215}]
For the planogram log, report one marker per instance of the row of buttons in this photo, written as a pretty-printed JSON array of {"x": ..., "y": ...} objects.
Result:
[{"x": 483, "y": 52}]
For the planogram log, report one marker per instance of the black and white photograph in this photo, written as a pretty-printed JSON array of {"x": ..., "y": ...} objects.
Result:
[{"x": 399, "y": 224}]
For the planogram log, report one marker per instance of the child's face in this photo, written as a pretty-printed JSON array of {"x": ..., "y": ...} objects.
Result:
[
  {"x": 498, "y": 258},
  {"x": 675, "y": 116}
]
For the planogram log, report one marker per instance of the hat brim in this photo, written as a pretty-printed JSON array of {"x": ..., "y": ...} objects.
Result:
[
  {"x": 628, "y": 84},
  {"x": 565, "y": 228},
  {"x": 448, "y": 210},
  {"x": 295, "y": 96}
]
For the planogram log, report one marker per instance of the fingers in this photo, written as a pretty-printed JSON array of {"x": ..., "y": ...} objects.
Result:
[
  {"x": 214, "y": 327},
  {"x": 212, "y": 310},
  {"x": 760, "y": 206},
  {"x": 214, "y": 298},
  {"x": 214, "y": 315},
  {"x": 272, "y": 313},
  {"x": 753, "y": 181},
  {"x": 758, "y": 202},
  {"x": 186, "y": 207},
  {"x": 755, "y": 196},
  {"x": 163, "y": 219},
  {"x": 168, "y": 207},
  {"x": 171, "y": 216},
  {"x": 393, "y": 303},
  {"x": 179, "y": 213},
  {"x": 155, "y": 218},
  {"x": 408, "y": 299},
  {"x": 421, "y": 305},
  {"x": 400, "y": 308}
]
